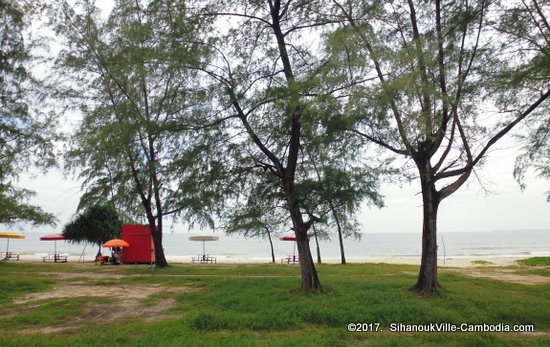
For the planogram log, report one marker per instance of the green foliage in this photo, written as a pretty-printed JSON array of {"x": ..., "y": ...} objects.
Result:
[
  {"x": 14, "y": 207},
  {"x": 527, "y": 26},
  {"x": 95, "y": 225},
  {"x": 142, "y": 108},
  {"x": 25, "y": 133},
  {"x": 434, "y": 70}
]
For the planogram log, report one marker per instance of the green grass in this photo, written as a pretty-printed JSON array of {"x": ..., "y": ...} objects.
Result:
[
  {"x": 251, "y": 305},
  {"x": 535, "y": 261}
]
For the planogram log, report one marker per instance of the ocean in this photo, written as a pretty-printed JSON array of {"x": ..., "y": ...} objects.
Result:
[{"x": 236, "y": 248}]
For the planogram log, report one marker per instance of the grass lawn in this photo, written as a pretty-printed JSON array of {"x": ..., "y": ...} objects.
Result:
[{"x": 249, "y": 305}]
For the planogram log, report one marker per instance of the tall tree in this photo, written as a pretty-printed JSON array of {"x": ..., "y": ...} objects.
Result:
[
  {"x": 273, "y": 106},
  {"x": 424, "y": 75},
  {"x": 96, "y": 224},
  {"x": 25, "y": 132},
  {"x": 139, "y": 105}
]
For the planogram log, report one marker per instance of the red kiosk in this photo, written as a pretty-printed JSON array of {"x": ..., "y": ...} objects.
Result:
[{"x": 142, "y": 249}]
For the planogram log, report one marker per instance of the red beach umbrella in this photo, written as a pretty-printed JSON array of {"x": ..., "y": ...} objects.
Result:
[
  {"x": 53, "y": 237},
  {"x": 290, "y": 238}
]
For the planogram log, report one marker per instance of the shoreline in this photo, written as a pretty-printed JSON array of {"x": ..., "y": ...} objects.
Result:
[{"x": 448, "y": 262}]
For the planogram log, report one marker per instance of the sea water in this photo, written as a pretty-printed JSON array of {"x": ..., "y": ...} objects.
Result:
[{"x": 237, "y": 248}]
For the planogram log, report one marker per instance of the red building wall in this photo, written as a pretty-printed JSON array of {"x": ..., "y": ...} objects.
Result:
[{"x": 142, "y": 249}]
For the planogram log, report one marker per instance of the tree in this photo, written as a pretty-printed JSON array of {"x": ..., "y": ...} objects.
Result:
[
  {"x": 257, "y": 221},
  {"x": 140, "y": 105},
  {"x": 25, "y": 133},
  {"x": 266, "y": 80},
  {"x": 526, "y": 25},
  {"x": 422, "y": 75},
  {"x": 341, "y": 215},
  {"x": 95, "y": 225}
]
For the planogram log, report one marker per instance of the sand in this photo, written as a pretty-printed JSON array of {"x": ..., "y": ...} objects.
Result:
[{"x": 451, "y": 262}]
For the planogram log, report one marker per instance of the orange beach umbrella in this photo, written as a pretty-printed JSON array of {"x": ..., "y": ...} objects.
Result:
[{"x": 116, "y": 243}]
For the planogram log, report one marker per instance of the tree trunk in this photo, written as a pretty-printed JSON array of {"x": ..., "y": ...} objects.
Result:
[
  {"x": 310, "y": 279},
  {"x": 156, "y": 233},
  {"x": 160, "y": 259},
  {"x": 154, "y": 227},
  {"x": 427, "y": 284},
  {"x": 340, "y": 238},
  {"x": 317, "y": 245},
  {"x": 271, "y": 245}
]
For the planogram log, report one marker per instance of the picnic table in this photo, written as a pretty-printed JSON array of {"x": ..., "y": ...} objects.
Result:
[
  {"x": 57, "y": 258},
  {"x": 9, "y": 255},
  {"x": 290, "y": 259},
  {"x": 204, "y": 259}
]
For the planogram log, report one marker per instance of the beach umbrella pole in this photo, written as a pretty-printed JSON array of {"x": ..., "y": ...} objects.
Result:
[{"x": 203, "y": 238}]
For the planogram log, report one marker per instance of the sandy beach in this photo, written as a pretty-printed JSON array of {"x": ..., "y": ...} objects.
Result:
[
  {"x": 458, "y": 262},
  {"x": 448, "y": 262},
  {"x": 454, "y": 261}
]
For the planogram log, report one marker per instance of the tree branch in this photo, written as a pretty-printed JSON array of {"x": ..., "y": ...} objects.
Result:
[
  {"x": 495, "y": 138},
  {"x": 380, "y": 143}
]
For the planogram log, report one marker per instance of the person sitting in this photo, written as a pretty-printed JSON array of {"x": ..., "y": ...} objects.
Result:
[
  {"x": 99, "y": 259},
  {"x": 113, "y": 256},
  {"x": 116, "y": 254}
]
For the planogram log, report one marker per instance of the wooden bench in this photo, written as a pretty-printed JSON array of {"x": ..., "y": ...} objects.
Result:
[
  {"x": 10, "y": 255},
  {"x": 204, "y": 259},
  {"x": 57, "y": 258},
  {"x": 291, "y": 259}
]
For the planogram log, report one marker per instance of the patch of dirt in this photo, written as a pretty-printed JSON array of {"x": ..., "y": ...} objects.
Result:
[
  {"x": 121, "y": 302},
  {"x": 506, "y": 276},
  {"x": 88, "y": 275}
]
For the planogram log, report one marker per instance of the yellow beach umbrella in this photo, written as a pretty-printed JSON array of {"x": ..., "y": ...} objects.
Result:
[{"x": 11, "y": 236}]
